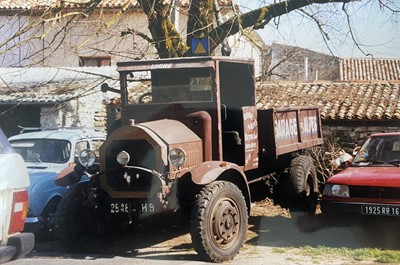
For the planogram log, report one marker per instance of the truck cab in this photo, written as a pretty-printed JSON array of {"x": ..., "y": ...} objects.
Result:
[{"x": 178, "y": 88}]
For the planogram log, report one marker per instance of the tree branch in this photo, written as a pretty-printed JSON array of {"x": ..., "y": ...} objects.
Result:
[
  {"x": 260, "y": 17},
  {"x": 352, "y": 33}
]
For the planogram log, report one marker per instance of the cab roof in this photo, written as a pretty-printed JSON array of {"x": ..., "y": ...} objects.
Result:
[{"x": 179, "y": 63}]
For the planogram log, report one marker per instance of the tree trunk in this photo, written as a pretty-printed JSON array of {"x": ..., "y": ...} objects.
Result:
[
  {"x": 200, "y": 21},
  {"x": 167, "y": 40}
]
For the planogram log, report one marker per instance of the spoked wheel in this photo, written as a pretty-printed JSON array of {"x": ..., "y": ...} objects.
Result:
[{"x": 219, "y": 221}]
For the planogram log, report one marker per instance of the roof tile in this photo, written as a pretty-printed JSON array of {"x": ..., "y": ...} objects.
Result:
[
  {"x": 337, "y": 101},
  {"x": 369, "y": 69}
]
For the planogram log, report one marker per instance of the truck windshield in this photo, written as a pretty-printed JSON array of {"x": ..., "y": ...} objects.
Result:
[
  {"x": 43, "y": 150},
  {"x": 379, "y": 151},
  {"x": 165, "y": 86}
]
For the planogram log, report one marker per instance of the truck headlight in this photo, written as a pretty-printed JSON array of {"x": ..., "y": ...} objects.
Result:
[
  {"x": 336, "y": 190},
  {"x": 123, "y": 158},
  {"x": 177, "y": 157},
  {"x": 87, "y": 158}
]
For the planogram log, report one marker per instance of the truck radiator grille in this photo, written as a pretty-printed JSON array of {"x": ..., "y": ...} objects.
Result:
[
  {"x": 374, "y": 192},
  {"x": 131, "y": 180},
  {"x": 142, "y": 154}
]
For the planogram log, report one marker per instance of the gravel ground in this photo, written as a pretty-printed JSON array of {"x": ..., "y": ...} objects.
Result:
[{"x": 275, "y": 236}]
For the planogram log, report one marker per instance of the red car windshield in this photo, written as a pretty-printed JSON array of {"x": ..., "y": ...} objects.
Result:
[{"x": 379, "y": 151}]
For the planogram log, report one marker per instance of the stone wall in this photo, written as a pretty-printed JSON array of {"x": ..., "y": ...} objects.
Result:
[
  {"x": 85, "y": 111},
  {"x": 349, "y": 134},
  {"x": 297, "y": 64}
]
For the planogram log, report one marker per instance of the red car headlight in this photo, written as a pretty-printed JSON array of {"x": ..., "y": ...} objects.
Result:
[{"x": 336, "y": 190}]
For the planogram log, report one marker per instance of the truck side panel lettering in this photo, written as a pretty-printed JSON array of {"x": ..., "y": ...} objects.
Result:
[{"x": 250, "y": 125}]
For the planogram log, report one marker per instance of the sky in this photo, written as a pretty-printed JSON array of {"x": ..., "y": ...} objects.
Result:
[{"x": 377, "y": 32}]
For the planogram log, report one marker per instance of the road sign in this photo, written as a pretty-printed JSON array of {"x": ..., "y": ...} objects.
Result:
[{"x": 200, "y": 46}]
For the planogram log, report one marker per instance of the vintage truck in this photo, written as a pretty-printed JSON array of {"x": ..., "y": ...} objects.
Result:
[{"x": 190, "y": 138}]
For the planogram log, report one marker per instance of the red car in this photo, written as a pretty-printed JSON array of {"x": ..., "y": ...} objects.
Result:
[{"x": 371, "y": 185}]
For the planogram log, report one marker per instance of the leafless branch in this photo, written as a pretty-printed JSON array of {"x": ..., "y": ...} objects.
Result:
[{"x": 358, "y": 45}]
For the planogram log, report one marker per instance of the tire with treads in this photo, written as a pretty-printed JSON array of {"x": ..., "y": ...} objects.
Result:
[
  {"x": 219, "y": 221},
  {"x": 49, "y": 213},
  {"x": 74, "y": 224},
  {"x": 303, "y": 177}
]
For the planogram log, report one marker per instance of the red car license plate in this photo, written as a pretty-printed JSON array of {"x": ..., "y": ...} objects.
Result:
[{"x": 384, "y": 210}]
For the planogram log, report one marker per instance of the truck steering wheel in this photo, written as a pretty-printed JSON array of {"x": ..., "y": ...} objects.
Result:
[{"x": 142, "y": 98}]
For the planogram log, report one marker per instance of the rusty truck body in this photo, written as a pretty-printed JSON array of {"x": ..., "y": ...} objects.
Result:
[{"x": 191, "y": 138}]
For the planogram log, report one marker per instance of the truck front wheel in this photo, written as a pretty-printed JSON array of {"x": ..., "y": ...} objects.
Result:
[
  {"x": 74, "y": 219},
  {"x": 219, "y": 221}
]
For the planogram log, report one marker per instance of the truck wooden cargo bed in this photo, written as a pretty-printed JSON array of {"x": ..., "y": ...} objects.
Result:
[{"x": 286, "y": 130}]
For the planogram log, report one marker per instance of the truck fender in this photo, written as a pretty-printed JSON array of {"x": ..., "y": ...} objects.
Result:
[
  {"x": 67, "y": 176},
  {"x": 209, "y": 171}
]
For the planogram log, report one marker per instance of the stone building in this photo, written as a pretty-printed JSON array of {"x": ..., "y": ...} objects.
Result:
[
  {"x": 102, "y": 38},
  {"x": 79, "y": 44},
  {"x": 290, "y": 63},
  {"x": 53, "y": 97}
]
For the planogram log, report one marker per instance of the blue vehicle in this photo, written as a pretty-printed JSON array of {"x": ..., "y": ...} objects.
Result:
[{"x": 46, "y": 153}]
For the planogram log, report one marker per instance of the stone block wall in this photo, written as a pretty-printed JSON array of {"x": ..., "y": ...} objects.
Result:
[
  {"x": 85, "y": 111},
  {"x": 296, "y": 64},
  {"x": 349, "y": 134}
]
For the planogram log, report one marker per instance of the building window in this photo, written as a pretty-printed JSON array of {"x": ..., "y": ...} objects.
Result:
[{"x": 96, "y": 61}]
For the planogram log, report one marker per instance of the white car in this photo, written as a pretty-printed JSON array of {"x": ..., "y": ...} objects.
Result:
[
  {"x": 14, "y": 184},
  {"x": 46, "y": 153}
]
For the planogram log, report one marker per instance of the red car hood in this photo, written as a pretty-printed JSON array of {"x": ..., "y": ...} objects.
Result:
[{"x": 368, "y": 176}]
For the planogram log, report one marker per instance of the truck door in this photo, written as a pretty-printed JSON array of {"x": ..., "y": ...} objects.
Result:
[{"x": 237, "y": 90}]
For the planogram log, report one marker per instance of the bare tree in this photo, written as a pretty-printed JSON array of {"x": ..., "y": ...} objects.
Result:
[
  {"x": 202, "y": 13},
  {"x": 45, "y": 29}
]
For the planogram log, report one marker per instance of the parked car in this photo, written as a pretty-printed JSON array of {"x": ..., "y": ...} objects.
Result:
[
  {"x": 46, "y": 153},
  {"x": 14, "y": 183},
  {"x": 371, "y": 184}
]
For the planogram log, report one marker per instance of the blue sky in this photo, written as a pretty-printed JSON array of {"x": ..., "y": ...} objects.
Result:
[{"x": 377, "y": 32}]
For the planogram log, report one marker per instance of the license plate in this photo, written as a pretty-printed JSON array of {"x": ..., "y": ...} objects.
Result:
[
  {"x": 384, "y": 210},
  {"x": 122, "y": 207}
]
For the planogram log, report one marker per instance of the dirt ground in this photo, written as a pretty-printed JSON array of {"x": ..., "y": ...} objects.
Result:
[{"x": 274, "y": 235}]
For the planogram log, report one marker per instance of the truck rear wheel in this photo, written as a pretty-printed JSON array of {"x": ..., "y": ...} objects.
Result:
[
  {"x": 302, "y": 183},
  {"x": 219, "y": 221}
]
